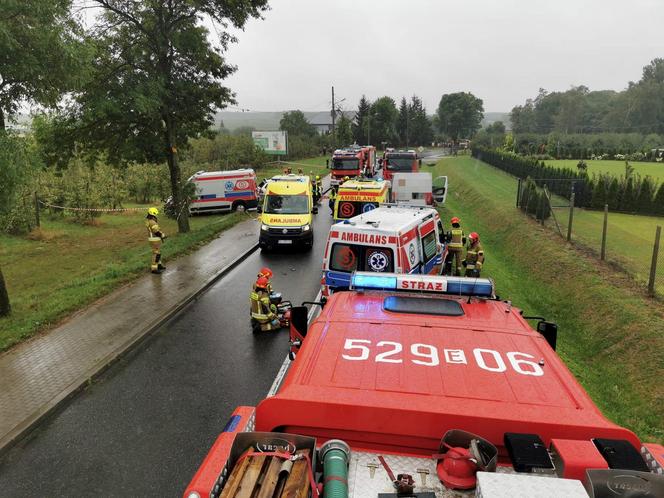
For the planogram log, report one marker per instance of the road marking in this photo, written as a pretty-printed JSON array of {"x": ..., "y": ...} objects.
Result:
[{"x": 313, "y": 312}]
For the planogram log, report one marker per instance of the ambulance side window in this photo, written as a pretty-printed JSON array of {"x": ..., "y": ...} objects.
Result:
[{"x": 429, "y": 245}]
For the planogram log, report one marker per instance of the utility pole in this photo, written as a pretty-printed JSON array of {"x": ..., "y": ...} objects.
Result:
[{"x": 334, "y": 115}]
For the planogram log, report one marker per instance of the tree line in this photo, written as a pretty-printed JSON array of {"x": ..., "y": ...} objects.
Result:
[
  {"x": 630, "y": 193},
  {"x": 458, "y": 115},
  {"x": 637, "y": 109}
]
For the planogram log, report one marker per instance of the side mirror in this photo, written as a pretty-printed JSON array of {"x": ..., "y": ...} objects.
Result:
[
  {"x": 549, "y": 331},
  {"x": 314, "y": 210},
  {"x": 298, "y": 329},
  {"x": 259, "y": 209}
]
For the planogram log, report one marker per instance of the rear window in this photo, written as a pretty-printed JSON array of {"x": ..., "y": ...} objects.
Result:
[
  {"x": 422, "y": 306},
  {"x": 349, "y": 258},
  {"x": 429, "y": 245}
]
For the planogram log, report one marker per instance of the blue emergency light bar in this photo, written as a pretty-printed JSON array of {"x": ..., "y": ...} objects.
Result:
[{"x": 437, "y": 284}]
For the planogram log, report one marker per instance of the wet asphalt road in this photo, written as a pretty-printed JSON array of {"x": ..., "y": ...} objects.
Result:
[{"x": 144, "y": 427}]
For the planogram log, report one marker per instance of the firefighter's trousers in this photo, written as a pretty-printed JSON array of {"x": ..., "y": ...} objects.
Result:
[
  {"x": 454, "y": 257},
  {"x": 155, "y": 245}
]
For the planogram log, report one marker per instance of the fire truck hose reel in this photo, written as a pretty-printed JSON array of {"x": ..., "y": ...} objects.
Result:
[{"x": 335, "y": 455}]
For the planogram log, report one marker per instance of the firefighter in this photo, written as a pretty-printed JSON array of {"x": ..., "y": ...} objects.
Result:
[
  {"x": 155, "y": 238},
  {"x": 318, "y": 189},
  {"x": 263, "y": 313},
  {"x": 333, "y": 198},
  {"x": 474, "y": 256},
  {"x": 455, "y": 243}
]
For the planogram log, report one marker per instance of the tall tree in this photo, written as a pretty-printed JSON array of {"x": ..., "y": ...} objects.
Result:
[
  {"x": 382, "y": 120},
  {"x": 41, "y": 53},
  {"x": 460, "y": 114},
  {"x": 402, "y": 122},
  {"x": 296, "y": 124},
  {"x": 158, "y": 79},
  {"x": 344, "y": 130},
  {"x": 360, "y": 124},
  {"x": 420, "y": 131}
]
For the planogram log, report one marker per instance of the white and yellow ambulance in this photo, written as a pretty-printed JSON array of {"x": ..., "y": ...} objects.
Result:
[
  {"x": 359, "y": 196},
  {"x": 286, "y": 213}
]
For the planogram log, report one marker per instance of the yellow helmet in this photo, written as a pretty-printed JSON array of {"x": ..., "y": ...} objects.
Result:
[
  {"x": 153, "y": 211},
  {"x": 317, "y": 177}
]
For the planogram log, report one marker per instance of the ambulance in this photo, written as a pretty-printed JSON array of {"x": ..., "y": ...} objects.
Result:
[
  {"x": 286, "y": 213},
  {"x": 224, "y": 190},
  {"x": 390, "y": 238},
  {"x": 359, "y": 196}
]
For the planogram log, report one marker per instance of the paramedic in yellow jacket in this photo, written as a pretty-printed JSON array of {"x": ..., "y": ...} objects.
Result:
[
  {"x": 474, "y": 256},
  {"x": 155, "y": 238},
  {"x": 455, "y": 244}
]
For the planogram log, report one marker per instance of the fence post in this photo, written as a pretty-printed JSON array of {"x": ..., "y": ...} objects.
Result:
[
  {"x": 653, "y": 265},
  {"x": 518, "y": 193},
  {"x": 571, "y": 217},
  {"x": 606, "y": 221},
  {"x": 37, "y": 210}
]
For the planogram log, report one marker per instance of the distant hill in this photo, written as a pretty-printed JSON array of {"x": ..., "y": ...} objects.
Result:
[
  {"x": 268, "y": 120},
  {"x": 492, "y": 117}
]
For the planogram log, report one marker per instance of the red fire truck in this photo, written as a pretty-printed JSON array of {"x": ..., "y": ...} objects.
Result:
[
  {"x": 352, "y": 162},
  {"x": 399, "y": 161},
  {"x": 426, "y": 386}
]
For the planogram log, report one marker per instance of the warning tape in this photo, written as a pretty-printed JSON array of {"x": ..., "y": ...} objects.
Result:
[{"x": 95, "y": 210}]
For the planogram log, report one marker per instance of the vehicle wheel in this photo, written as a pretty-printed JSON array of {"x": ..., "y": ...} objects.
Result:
[
  {"x": 255, "y": 326},
  {"x": 239, "y": 206}
]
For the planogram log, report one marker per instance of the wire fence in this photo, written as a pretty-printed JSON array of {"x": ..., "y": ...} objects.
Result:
[{"x": 628, "y": 242}]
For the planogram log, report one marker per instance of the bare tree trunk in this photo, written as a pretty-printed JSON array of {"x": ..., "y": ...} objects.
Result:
[
  {"x": 5, "y": 307},
  {"x": 181, "y": 208},
  {"x": 2, "y": 120}
]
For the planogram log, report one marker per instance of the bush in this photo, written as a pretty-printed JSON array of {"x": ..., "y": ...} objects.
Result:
[
  {"x": 533, "y": 201},
  {"x": 19, "y": 166}
]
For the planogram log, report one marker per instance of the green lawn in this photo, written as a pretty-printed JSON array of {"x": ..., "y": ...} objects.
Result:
[
  {"x": 316, "y": 165},
  {"x": 614, "y": 168},
  {"x": 610, "y": 334},
  {"x": 63, "y": 266}
]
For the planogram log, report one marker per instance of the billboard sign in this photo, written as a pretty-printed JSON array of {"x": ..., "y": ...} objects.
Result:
[{"x": 272, "y": 142}]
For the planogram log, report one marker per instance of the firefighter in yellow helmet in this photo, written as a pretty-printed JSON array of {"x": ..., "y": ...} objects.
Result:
[
  {"x": 332, "y": 197},
  {"x": 474, "y": 256},
  {"x": 319, "y": 187},
  {"x": 155, "y": 238},
  {"x": 455, "y": 244},
  {"x": 263, "y": 313}
]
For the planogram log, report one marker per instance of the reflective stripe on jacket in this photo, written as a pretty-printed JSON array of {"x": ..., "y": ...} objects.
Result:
[
  {"x": 456, "y": 241},
  {"x": 474, "y": 255}
]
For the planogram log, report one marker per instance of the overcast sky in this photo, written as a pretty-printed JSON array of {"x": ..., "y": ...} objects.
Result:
[{"x": 501, "y": 51}]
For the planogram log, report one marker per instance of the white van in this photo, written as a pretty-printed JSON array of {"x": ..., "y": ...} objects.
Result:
[
  {"x": 417, "y": 189},
  {"x": 224, "y": 190}
]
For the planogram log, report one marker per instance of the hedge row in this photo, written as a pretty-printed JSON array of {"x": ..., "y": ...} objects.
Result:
[{"x": 630, "y": 193}]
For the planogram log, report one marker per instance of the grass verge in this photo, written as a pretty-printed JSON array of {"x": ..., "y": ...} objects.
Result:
[
  {"x": 63, "y": 266},
  {"x": 614, "y": 168},
  {"x": 610, "y": 334}
]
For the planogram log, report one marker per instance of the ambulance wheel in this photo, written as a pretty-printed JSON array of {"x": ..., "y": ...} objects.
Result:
[{"x": 239, "y": 205}]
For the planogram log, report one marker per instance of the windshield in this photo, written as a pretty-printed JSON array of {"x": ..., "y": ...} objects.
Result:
[
  {"x": 351, "y": 163},
  {"x": 400, "y": 163},
  {"x": 287, "y": 204}
]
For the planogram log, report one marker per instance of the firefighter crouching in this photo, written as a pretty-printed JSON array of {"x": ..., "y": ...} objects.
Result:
[
  {"x": 455, "y": 245},
  {"x": 474, "y": 256},
  {"x": 155, "y": 238},
  {"x": 263, "y": 313}
]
